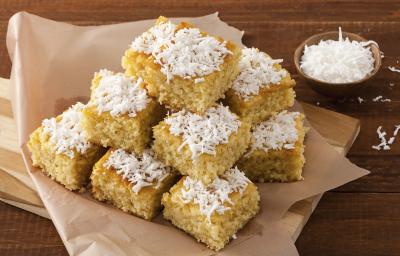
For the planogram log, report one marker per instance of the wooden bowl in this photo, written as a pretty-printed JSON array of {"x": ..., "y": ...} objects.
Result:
[{"x": 336, "y": 89}]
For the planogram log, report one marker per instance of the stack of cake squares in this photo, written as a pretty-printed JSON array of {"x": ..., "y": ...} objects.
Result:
[{"x": 189, "y": 126}]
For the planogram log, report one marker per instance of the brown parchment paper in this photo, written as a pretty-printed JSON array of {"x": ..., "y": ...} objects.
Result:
[{"x": 53, "y": 64}]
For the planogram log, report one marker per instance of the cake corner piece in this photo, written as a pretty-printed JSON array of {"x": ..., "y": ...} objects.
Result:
[
  {"x": 235, "y": 200},
  {"x": 262, "y": 87},
  {"x": 201, "y": 146},
  {"x": 62, "y": 151},
  {"x": 120, "y": 114},
  {"x": 276, "y": 153},
  {"x": 180, "y": 82},
  {"x": 132, "y": 183}
]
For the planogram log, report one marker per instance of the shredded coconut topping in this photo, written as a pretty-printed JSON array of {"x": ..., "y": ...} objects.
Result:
[
  {"x": 67, "y": 134},
  {"x": 202, "y": 133},
  {"x": 186, "y": 53},
  {"x": 214, "y": 197},
  {"x": 119, "y": 94},
  {"x": 256, "y": 71},
  {"x": 393, "y": 69},
  {"x": 339, "y": 61},
  {"x": 276, "y": 133},
  {"x": 141, "y": 172},
  {"x": 151, "y": 41}
]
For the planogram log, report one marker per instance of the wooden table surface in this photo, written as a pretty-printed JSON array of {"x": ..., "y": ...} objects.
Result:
[{"x": 360, "y": 218}]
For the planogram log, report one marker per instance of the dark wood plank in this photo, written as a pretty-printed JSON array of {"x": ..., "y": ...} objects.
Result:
[
  {"x": 24, "y": 233},
  {"x": 384, "y": 176},
  {"x": 353, "y": 224}
]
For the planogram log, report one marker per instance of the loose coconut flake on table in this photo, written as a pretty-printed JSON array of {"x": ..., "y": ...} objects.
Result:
[
  {"x": 393, "y": 69},
  {"x": 384, "y": 143}
]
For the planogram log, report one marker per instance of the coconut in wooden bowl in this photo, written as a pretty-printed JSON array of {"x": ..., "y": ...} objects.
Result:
[{"x": 337, "y": 63}]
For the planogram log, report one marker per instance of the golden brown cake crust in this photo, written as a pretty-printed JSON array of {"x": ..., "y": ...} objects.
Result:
[
  {"x": 216, "y": 233},
  {"x": 270, "y": 100},
  {"x": 72, "y": 173},
  {"x": 182, "y": 93},
  {"x": 276, "y": 165},
  {"x": 110, "y": 187},
  {"x": 121, "y": 131}
]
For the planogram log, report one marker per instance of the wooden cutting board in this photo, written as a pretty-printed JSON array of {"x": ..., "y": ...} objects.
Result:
[{"x": 16, "y": 187}]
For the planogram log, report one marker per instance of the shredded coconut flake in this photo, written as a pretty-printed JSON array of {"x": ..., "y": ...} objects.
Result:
[
  {"x": 393, "y": 69},
  {"x": 381, "y": 99},
  {"x": 202, "y": 133},
  {"x": 141, "y": 172},
  {"x": 186, "y": 53},
  {"x": 151, "y": 42},
  {"x": 256, "y": 71},
  {"x": 199, "y": 80},
  {"x": 119, "y": 94},
  {"x": 385, "y": 144},
  {"x": 67, "y": 134},
  {"x": 360, "y": 100},
  {"x": 276, "y": 133},
  {"x": 214, "y": 197},
  {"x": 339, "y": 61}
]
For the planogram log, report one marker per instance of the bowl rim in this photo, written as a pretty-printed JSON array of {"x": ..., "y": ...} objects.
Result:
[{"x": 298, "y": 53}]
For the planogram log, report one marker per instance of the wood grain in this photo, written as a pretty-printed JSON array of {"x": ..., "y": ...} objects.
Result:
[{"x": 360, "y": 218}]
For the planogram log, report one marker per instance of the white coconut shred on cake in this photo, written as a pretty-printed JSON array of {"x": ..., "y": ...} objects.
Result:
[
  {"x": 257, "y": 71},
  {"x": 186, "y": 53},
  {"x": 211, "y": 198},
  {"x": 278, "y": 132},
  {"x": 67, "y": 135},
  {"x": 119, "y": 94},
  {"x": 150, "y": 42},
  {"x": 202, "y": 133},
  {"x": 140, "y": 171}
]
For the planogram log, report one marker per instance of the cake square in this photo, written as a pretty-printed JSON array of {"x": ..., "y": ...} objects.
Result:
[
  {"x": 201, "y": 146},
  {"x": 261, "y": 89},
  {"x": 212, "y": 214},
  {"x": 184, "y": 68},
  {"x": 133, "y": 184},
  {"x": 120, "y": 114},
  {"x": 60, "y": 148},
  {"x": 276, "y": 152}
]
